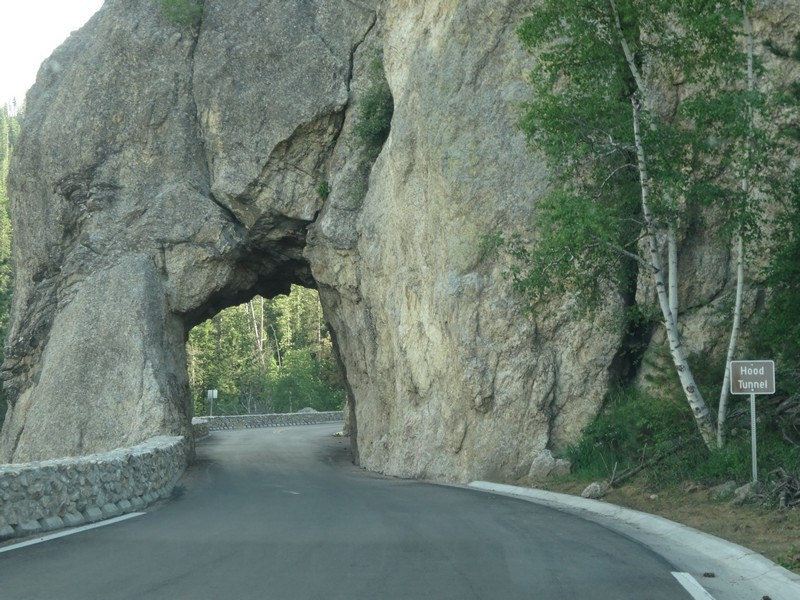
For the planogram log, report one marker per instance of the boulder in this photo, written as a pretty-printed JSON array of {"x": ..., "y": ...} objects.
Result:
[
  {"x": 722, "y": 491},
  {"x": 546, "y": 465},
  {"x": 594, "y": 490},
  {"x": 744, "y": 494}
]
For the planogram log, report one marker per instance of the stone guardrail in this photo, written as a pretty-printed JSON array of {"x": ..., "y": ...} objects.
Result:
[
  {"x": 66, "y": 492},
  {"x": 203, "y": 425},
  {"x": 47, "y": 495}
]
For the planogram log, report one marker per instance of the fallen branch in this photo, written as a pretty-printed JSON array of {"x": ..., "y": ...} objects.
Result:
[{"x": 643, "y": 464}]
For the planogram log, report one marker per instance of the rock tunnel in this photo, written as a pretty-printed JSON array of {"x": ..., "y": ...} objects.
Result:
[{"x": 166, "y": 171}]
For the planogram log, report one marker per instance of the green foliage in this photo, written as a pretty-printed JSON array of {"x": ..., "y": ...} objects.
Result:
[
  {"x": 267, "y": 356},
  {"x": 9, "y": 130},
  {"x": 791, "y": 559},
  {"x": 589, "y": 227},
  {"x": 632, "y": 427},
  {"x": 375, "y": 110},
  {"x": 306, "y": 381},
  {"x": 323, "y": 190},
  {"x": 779, "y": 331},
  {"x": 630, "y": 172},
  {"x": 636, "y": 428},
  {"x": 183, "y": 12}
]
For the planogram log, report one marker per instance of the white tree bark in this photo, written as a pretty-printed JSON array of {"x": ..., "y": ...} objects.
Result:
[
  {"x": 258, "y": 332},
  {"x": 693, "y": 396},
  {"x": 277, "y": 346},
  {"x": 722, "y": 409},
  {"x": 626, "y": 49},
  {"x": 672, "y": 261},
  {"x": 705, "y": 423}
]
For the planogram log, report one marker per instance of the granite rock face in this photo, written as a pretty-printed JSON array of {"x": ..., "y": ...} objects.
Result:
[
  {"x": 450, "y": 379},
  {"x": 166, "y": 172}
]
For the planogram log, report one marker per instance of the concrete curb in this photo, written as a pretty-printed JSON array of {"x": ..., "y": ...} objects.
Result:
[{"x": 740, "y": 573}]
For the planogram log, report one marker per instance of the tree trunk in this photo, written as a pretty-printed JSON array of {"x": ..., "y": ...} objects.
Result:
[
  {"x": 693, "y": 396},
  {"x": 722, "y": 410},
  {"x": 703, "y": 419},
  {"x": 258, "y": 333},
  {"x": 672, "y": 261},
  {"x": 218, "y": 327},
  {"x": 319, "y": 322}
]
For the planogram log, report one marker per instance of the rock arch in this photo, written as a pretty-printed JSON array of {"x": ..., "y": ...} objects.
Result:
[{"x": 164, "y": 173}]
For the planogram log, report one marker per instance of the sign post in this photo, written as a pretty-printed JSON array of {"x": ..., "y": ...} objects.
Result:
[
  {"x": 211, "y": 395},
  {"x": 752, "y": 377}
]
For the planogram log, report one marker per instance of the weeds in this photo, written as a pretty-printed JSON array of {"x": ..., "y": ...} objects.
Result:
[
  {"x": 791, "y": 559},
  {"x": 323, "y": 190},
  {"x": 183, "y": 12},
  {"x": 636, "y": 429}
]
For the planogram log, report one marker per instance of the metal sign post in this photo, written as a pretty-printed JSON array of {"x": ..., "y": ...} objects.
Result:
[
  {"x": 211, "y": 395},
  {"x": 753, "y": 443},
  {"x": 752, "y": 377}
]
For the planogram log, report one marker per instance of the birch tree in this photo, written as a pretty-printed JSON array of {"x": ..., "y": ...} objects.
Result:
[
  {"x": 764, "y": 125},
  {"x": 627, "y": 162},
  {"x": 740, "y": 234}
]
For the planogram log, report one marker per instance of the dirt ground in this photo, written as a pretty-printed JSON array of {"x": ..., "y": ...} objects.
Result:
[{"x": 773, "y": 533}]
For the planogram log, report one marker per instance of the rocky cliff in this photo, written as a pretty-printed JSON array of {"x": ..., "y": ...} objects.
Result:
[{"x": 166, "y": 171}]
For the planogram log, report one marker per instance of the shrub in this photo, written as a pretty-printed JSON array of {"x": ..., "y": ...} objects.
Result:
[
  {"x": 304, "y": 381},
  {"x": 183, "y": 12},
  {"x": 632, "y": 428},
  {"x": 636, "y": 428},
  {"x": 323, "y": 190},
  {"x": 374, "y": 117}
]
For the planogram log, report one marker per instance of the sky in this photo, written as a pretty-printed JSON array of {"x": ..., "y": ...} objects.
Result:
[{"x": 31, "y": 30}]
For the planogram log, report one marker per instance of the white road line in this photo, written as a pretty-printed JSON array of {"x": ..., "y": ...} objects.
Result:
[
  {"x": 690, "y": 584},
  {"x": 67, "y": 532}
]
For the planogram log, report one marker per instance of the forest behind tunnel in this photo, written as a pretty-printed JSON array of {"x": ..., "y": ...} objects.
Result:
[{"x": 265, "y": 356}]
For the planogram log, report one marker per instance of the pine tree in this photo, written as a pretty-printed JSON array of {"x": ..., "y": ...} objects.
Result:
[{"x": 265, "y": 356}]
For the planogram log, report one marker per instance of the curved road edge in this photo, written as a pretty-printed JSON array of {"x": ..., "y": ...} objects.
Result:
[{"x": 739, "y": 573}]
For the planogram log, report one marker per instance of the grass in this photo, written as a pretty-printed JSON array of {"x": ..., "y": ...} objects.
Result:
[
  {"x": 772, "y": 533},
  {"x": 636, "y": 429},
  {"x": 323, "y": 190}
]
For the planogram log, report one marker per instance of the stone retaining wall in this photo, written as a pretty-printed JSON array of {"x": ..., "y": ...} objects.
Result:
[
  {"x": 202, "y": 425},
  {"x": 46, "y": 495}
]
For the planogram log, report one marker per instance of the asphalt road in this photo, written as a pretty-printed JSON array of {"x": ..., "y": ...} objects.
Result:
[{"x": 282, "y": 514}]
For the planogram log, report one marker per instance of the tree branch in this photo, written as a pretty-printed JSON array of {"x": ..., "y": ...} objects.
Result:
[{"x": 621, "y": 250}]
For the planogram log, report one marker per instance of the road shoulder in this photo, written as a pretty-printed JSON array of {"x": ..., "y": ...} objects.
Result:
[{"x": 738, "y": 572}]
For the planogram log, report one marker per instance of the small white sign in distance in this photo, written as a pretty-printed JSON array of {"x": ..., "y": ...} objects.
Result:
[{"x": 752, "y": 377}]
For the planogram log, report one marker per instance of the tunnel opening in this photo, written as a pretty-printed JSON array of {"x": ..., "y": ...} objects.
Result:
[{"x": 266, "y": 355}]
